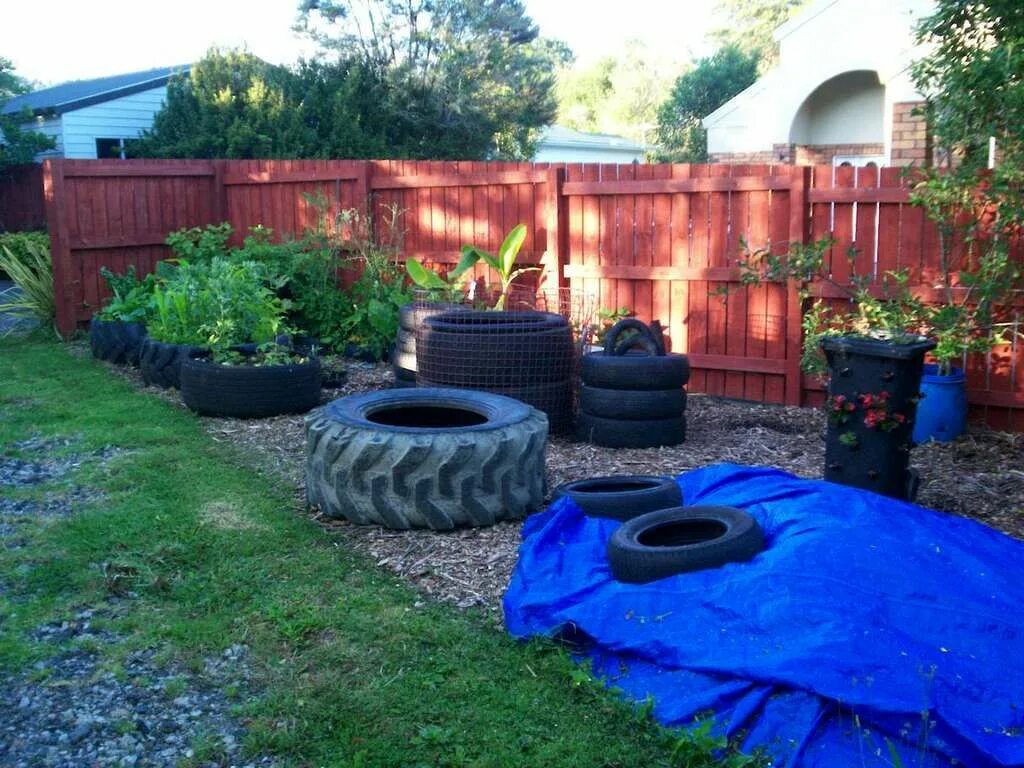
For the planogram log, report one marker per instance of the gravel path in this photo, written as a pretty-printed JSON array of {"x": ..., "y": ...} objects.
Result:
[{"x": 84, "y": 707}]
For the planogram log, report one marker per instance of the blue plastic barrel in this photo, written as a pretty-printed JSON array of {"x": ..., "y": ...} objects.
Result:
[{"x": 942, "y": 413}]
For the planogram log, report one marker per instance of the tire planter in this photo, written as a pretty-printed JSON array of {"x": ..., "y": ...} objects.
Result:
[
  {"x": 526, "y": 355},
  {"x": 160, "y": 363},
  {"x": 673, "y": 541},
  {"x": 425, "y": 458},
  {"x": 116, "y": 342},
  {"x": 876, "y": 457},
  {"x": 248, "y": 391},
  {"x": 410, "y": 320},
  {"x": 622, "y": 497},
  {"x": 942, "y": 412},
  {"x": 488, "y": 349},
  {"x": 641, "y": 335}
]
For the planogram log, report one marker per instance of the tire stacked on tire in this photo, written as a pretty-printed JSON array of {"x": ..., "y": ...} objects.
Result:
[
  {"x": 116, "y": 342},
  {"x": 633, "y": 393},
  {"x": 410, "y": 320},
  {"x": 526, "y": 355}
]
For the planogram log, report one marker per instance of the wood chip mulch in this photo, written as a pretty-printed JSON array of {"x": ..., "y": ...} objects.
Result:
[{"x": 980, "y": 475}]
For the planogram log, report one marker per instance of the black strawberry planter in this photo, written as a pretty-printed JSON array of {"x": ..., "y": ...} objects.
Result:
[{"x": 873, "y": 391}]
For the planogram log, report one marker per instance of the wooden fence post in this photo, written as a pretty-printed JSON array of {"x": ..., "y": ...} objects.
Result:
[
  {"x": 798, "y": 233},
  {"x": 219, "y": 198},
  {"x": 60, "y": 252},
  {"x": 556, "y": 254}
]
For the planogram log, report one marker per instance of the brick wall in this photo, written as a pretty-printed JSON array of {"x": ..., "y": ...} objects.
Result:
[
  {"x": 799, "y": 154},
  {"x": 911, "y": 142}
]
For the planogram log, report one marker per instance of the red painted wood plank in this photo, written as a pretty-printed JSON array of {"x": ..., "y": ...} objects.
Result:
[
  {"x": 697, "y": 316},
  {"x": 717, "y": 182},
  {"x": 625, "y": 220},
  {"x": 680, "y": 257}
]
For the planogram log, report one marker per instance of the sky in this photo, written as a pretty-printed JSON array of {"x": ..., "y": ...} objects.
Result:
[{"x": 75, "y": 39}]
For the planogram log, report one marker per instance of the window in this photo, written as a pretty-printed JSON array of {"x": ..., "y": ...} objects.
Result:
[
  {"x": 858, "y": 161},
  {"x": 116, "y": 148}
]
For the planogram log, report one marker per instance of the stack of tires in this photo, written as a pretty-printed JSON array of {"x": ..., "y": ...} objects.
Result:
[
  {"x": 529, "y": 356},
  {"x": 633, "y": 393},
  {"x": 410, "y": 319}
]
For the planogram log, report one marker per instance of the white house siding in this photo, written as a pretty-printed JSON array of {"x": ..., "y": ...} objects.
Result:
[
  {"x": 122, "y": 118},
  {"x": 556, "y": 154},
  {"x": 51, "y": 128},
  {"x": 827, "y": 39}
]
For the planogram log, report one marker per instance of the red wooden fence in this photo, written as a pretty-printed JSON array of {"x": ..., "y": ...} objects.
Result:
[
  {"x": 21, "y": 199},
  {"x": 659, "y": 239}
]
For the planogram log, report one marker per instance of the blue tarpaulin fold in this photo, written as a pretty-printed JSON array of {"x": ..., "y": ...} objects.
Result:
[{"x": 866, "y": 625}]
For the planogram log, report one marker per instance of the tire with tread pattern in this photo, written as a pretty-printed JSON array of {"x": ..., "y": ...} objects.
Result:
[
  {"x": 638, "y": 433},
  {"x": 632, "y": 404},
  {"x": 160, "y": 363},
  {"x": 670, "y": 371},
  {"x": 672, "y": 541},
  {"x": 425, "y": 458},
  {"x": 116, "y": 342}
]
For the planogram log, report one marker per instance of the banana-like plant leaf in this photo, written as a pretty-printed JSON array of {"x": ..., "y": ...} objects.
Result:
[
  {"x": 470, "y": 256},
  {"x": 510, "y": 249},
  {"x": 424, "y": 277}
]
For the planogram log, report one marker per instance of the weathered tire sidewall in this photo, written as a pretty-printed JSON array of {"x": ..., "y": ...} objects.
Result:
[
  {"x": 632, "y": 404},
  {"x": 635, "y": 433},
  {"x": 670, "y": 371},
  {"x": 636, "y": 563},
  {"x": 160, "y": 363},
  {"x": 116, "y": 342},
  {"x": 612, "y": 346},
  {"x": 553, "y": 398},
  {"x": 411, "y": 316},
  {"x": 249, "y": 392},
  {"x": 662, "y": 492},
  {"x": 407, "y": 477}
]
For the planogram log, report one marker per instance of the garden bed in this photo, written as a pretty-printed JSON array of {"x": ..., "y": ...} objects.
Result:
[{"x": 977, "y": 476}]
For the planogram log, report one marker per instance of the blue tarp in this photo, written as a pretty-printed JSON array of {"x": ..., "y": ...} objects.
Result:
[{"x": 866, "y": 622}]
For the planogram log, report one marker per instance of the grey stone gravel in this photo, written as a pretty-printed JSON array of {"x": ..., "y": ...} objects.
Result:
[
  {"x": 73, "y": 710},
  {"x": 79, "y": 709}
]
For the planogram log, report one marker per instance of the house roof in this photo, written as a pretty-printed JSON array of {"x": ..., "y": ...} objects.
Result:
[
  {"x": 81, "y": 93},
  {"x": 560, "y": 136}
]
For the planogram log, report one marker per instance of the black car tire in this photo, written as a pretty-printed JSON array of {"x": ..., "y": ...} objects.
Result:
[
  {"x": 622, "y": 497},
  {"x": 116, "y": 342},
  {"x": 638, "y": 433},
  {"x": 670, "y": 371},
  {"x": 632, "y": 403},
  {"x": 672, "y": 541},
  {"x": 160, "y": 363}
]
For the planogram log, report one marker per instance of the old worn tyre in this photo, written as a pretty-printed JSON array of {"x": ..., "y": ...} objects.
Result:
[
  {"x": 670, "y": 371},
  {"x": 426, "y": 458},
  {"x": 160, "y": 363},
  {"x": 411, "y": 316},
  {"x": 476, "y": 348},
  {"x": 632, "y": 403},
  {"x": 622, "y": 497},
  {"x": 553, "y": 398},
  {"x": 406, "y": 362},
  {"x": 116, "y": 342},
  {"x": 615, "y": 344},
  {"x": 249, "y": 392},
  {"x": 403, "y": 383},
  {"x": 405, "y": 341},
  {"x": 671, "y": 541},
  {"x": 634, "y": 433}
]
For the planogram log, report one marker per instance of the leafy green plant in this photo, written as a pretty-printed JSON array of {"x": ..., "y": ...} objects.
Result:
[
  {"x": 200, "y": 244},
  {"x": 699, "y": 747},
  {"x": 448, "y": 287},
  {"x": 266, "y": 354},
  {"x": 31, "y": 269},
  {"x": 131, "y": 299},
  {"x": 504, "y": 262}
]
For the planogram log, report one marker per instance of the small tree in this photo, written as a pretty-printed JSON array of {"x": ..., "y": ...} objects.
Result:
[
  {"x": 19, "y": 144},
  {"x": 973, "y": 79},
  {"x": 696, "y": 94}
]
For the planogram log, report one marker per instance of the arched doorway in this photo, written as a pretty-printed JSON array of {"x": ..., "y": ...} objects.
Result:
[{"x": 842, "y": 120}]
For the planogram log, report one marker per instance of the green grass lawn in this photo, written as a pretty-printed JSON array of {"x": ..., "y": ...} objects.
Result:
[{"x": 350, "y": 671}]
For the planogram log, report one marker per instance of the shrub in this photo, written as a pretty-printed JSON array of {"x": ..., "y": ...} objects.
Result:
[
  {"x": 131, "y": 299},
  {"x": 29, "y": 265}
]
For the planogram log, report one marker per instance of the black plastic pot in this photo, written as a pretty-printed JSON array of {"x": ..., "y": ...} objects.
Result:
[
  {"x": 115, "y": 341},
  {"x": 873, "y": 391}
]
